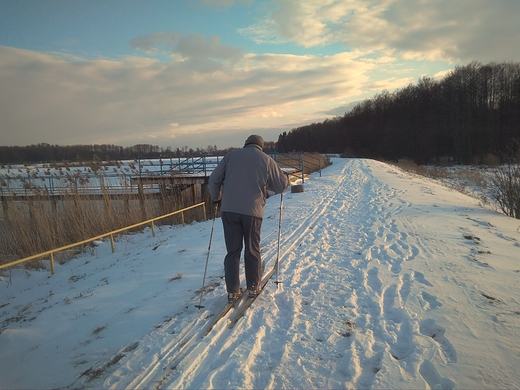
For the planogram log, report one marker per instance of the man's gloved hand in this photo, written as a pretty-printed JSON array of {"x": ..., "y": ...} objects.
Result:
[{"x": 270, "y": 193}]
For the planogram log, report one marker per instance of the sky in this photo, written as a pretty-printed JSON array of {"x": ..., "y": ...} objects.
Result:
[{"x": 201, "y": 73}]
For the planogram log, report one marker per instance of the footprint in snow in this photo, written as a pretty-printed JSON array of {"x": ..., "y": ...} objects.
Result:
[
  {"x": 429, "y": 301},
  {"x": 404, "y": 345},
  {"x": 406, "y": 286},
  {"x": 433, "y": 378},
  {"x": 429, "y": 328},
  {"x": 373, "y": 280},
  {"x": 419, "y": 276}
]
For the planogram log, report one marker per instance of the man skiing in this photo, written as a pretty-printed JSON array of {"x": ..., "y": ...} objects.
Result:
[{"x": 240, "y": 185}]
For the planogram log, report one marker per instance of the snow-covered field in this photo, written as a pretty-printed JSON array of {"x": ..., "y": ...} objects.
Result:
[{"x": 389, "y": 281}]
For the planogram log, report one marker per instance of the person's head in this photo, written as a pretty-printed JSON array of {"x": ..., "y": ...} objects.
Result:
[{"x": 255, "y": 139}]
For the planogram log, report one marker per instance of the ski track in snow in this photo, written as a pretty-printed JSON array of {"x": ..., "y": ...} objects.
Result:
[
  {"x": 357, "y": 307},
  {"x": 335, "y": 325}
]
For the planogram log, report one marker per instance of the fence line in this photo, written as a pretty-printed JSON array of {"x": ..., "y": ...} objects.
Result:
[
  {"x": 109, "y": 234},
  {"x": 298, "y": 164}
]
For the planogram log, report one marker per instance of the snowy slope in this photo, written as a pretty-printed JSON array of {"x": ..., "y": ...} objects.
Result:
[{"x": 389, "y": 281}]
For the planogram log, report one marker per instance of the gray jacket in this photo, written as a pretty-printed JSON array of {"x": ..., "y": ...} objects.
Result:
[{"x": 245, "y": 175}]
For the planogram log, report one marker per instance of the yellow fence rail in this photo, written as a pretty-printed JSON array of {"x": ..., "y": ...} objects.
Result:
[{"x": 109, "y": 234}]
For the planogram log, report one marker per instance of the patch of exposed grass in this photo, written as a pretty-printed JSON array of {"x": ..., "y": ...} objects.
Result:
[
  {"x": 99, "y": 329},
  {"x": 176, "y": 277}
]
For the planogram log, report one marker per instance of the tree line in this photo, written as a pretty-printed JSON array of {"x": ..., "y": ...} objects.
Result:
[
  {"x": 468, "y": 115},
  {"x": 44, "y": 152},
  {"x": 47, "y": 153}
]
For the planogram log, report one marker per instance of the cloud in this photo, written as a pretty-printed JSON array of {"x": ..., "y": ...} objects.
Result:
[
  {"x": 271, "y": 114},
  {"x": 191, "y": 46},
  {"x": 197, "y": 46},
  {"x": 390, "y": 84},
  {"x": 195, "y": 51},
  {"x": 440, "y": 30},
  {"x": 152, "y": 43},
  {"x": 341, "y": 110},
  {"x": 49, "y": 98},
  {"x": 440, "y": 75}
]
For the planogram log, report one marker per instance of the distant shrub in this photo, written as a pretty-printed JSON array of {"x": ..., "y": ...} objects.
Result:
[
  {"x": 506, "y": 182},
  {"x": 506, "y": 189}
]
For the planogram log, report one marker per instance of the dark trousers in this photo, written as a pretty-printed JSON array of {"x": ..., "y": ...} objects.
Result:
[{"x": 240, "y": 229}]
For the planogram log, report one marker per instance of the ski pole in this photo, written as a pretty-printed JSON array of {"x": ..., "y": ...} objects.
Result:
[
  {"x": 199, "y": 306},
  {"x": 279, "y": 235}
]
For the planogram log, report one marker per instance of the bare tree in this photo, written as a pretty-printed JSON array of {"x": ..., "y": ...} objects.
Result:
[{"x": 506, "y": 182}]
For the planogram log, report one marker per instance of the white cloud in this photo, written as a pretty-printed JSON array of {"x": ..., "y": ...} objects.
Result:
[
  {"x": 390, "y": 84},
  {"x": 445, "y": 30},
  {"x": 441, "y": 74},
  {"x": 46, "y": 98},
  {"x": 271, "y": 114}
]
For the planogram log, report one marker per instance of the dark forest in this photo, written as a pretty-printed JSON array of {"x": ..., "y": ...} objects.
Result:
[
  {"x": 47, "y": 153},
  {"x": 470, "y": 114}
]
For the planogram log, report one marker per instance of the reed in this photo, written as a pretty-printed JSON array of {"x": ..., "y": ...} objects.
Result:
[
  {"x": 311, "y": 162},
  {"x": 43, "y": 221}
]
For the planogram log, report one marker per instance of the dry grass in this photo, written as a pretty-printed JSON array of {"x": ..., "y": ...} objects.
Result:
[
  {"x": 42, "y": 222},
  {"x": 99, "y": 329},
  {"x": 470, "y": 180},
  {"x": 469, "y": 176},
  {"x": 312, "y": 162},
  {"x": 176, "y": 277},
  {"x": 410, "y": 166}
]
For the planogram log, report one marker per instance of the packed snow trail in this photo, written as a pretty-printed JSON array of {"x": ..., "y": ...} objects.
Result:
[
  {"x": 319, "y": 311},
  {"x": 346, "y": 320},
  {"x": 388, "y": 281},
  {"x": 223, "y": 343}
]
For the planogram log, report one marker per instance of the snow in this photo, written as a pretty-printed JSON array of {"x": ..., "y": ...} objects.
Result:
[{"x": 388, "y": 281}]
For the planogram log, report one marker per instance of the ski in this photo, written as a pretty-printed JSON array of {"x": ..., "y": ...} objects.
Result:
[
  {"x": 227, "y": 307},
  {"x": 242, "y": 309},
  {"x": 231, "y": 305}
]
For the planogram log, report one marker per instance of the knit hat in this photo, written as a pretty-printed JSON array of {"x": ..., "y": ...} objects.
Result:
[{"x": 255, "y": 139}]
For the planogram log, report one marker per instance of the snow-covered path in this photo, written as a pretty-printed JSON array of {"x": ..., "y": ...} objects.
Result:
[{"x": 388, "y": 281}]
